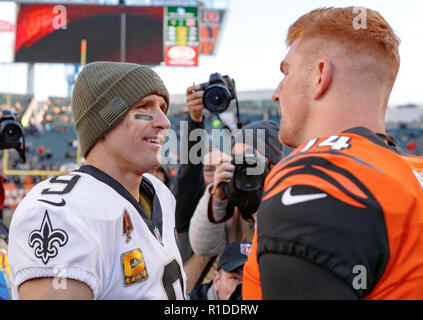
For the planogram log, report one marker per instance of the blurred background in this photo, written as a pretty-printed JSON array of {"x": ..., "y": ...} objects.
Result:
[{"x": 45, "y": 44}]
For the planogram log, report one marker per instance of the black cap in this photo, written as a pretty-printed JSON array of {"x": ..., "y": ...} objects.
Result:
[{"x": 234, "y": 255}]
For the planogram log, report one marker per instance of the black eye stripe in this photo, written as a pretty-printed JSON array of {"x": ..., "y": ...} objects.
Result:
[{"x": 145, "y": 117}]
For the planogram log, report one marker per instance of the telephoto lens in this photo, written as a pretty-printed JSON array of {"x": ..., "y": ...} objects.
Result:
[
  {"x": 219, "y": 91},
  {"x": 11, "y": 133},
  {"x": 216, "y": 98},
  {"x": 250, "y": 174}
]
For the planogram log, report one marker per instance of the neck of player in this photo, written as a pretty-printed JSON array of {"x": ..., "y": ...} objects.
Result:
[{"x": 128, "y": 178}]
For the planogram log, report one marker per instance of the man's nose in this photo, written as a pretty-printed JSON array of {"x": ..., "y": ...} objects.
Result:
[
  {"x": 161, "y": 120},
  {"x": 276, "y": 93}
]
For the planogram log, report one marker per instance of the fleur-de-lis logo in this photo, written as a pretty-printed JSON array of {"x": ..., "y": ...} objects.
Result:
[{"x": 44, "y": 240}]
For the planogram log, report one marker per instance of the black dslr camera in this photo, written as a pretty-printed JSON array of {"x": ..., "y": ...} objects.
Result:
[
  {"x": 11, "y": 133},
  {"x": 250, "y": 174},
  {"x": 245, "y": 189},
  {"x": 218, "y": 93}
]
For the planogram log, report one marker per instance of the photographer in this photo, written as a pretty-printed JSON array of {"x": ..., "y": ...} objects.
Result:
[
  {"x": 11, "y": 136},
  {"x": 11, "y": 133},
  {"x": 190, "y": 183},
  {"x": 189, "y": 180},
  {"x": 223, "y": 201}
]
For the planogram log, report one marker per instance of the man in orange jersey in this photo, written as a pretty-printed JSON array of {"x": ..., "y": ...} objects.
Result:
[{"x": 342, "y": 216}]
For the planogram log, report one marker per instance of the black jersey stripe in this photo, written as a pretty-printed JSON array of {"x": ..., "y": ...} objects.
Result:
[{"x": 146, "y": 187}]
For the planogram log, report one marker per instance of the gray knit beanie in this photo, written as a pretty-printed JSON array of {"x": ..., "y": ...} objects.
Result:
[{"x": 104, "y": 93}]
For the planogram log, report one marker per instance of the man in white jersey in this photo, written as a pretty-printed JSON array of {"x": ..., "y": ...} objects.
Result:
[{"x": 106, "y": 230}]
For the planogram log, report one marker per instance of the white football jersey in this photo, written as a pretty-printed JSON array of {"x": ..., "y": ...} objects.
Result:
[{"x": 86, "y": 226}]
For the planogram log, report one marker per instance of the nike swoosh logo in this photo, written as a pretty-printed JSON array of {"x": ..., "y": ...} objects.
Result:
[
  {"x": 288, "y": 199},
  {"x": 57, "y": 204}
]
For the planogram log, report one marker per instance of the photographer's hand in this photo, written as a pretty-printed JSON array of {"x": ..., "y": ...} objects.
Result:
[
  {"x": 223, "y": 174},
  {"x": 194, "y": 102}
]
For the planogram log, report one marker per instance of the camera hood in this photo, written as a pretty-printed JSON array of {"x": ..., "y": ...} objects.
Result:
[
  {"x": 11, "y": 133},
  {"x": 218, "y": 93}
]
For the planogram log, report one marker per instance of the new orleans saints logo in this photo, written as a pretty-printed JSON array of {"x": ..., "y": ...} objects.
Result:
[{"x": 44, "y": 240}]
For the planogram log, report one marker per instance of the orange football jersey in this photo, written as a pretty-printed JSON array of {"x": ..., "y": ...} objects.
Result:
[{"x": 353, "y": 199}]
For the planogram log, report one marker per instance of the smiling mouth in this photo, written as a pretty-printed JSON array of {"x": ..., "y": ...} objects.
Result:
[{"x": 154, "y": 140}]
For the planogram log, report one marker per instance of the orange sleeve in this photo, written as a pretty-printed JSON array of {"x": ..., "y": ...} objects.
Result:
[{"x": 251, "y": 289}]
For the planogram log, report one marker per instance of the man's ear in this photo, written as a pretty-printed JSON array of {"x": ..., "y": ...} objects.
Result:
[
  {"x": 324, "y": 73},
  {"x": 216, "y": 280}
]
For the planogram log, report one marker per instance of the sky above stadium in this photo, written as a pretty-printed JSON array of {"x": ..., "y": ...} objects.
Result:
[{"x": 252, "y": 46}]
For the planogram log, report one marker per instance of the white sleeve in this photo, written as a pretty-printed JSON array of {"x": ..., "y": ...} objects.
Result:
[
  {"x": 207, "y": 238},
  {"x": 51, "y": 241}
]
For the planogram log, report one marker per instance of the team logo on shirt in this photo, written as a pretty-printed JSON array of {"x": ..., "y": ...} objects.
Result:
[
  {"x": 45, "y": 240},
  {"x": 335, "y": 184},
  {"x": 158, "y": 235},
  {"x": 127, "y": 225},
  {"x": 133, "y": 266}
]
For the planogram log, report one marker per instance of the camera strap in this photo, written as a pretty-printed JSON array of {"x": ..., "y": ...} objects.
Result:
[{"x": 229, "y": 211}]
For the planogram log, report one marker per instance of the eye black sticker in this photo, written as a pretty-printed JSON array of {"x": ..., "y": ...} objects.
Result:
[{"x": 145, "y": 117}]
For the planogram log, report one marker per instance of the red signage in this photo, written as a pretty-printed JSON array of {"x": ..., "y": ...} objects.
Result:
[
  {"x": 211, "y": 16},
  {"x": 40, "y": 38},
  {"x": 181, "y": 56}
]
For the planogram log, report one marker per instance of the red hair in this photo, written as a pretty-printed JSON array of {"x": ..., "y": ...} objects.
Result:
[{"x": 377, "y": 38}]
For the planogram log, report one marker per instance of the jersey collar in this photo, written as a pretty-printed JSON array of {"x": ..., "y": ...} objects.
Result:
[
  {"x": 378, "y": 138},
  {"x": 155, "y": 223}
]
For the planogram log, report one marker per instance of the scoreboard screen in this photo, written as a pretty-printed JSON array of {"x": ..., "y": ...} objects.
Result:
[{"x": 44, "y": 33}]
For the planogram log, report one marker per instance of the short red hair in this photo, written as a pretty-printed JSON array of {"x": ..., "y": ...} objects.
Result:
[{"x": 377, "y": 38}]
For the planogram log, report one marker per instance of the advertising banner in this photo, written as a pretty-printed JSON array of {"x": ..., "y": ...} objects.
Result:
[{"x": 181, "y": 36}]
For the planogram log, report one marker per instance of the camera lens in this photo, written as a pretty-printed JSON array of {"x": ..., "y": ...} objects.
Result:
[
  {"x": 245, "y": 181},
  {"x": 216, "y": 98},
  {"x": 11, "y": 133}
]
